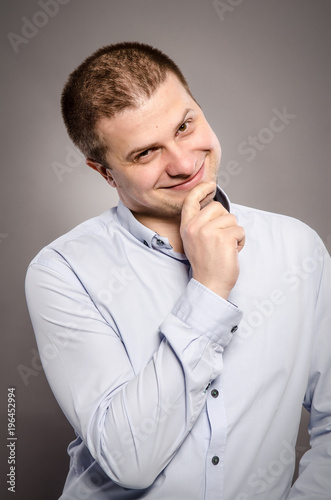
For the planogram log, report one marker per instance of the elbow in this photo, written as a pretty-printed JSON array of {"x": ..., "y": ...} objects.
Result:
[
  {"x": 129, "y": 472},
  {"x": 135, "y": 482},
  {"x": 134, "y": 479},
  {"x": 126, "y": 462}
]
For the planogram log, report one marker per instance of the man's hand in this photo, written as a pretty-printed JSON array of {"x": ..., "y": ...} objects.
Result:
[{"x": 211, "y": 239}]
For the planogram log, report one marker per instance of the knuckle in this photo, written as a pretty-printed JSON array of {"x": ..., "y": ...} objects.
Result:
[
  {"x": 190, "y": 229},
  {"x": 232, "y": 219}
]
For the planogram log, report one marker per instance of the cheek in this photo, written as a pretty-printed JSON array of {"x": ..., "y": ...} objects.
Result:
[
  {"x": 149, "y": 174},
  {"x": 142, "y": 179}
]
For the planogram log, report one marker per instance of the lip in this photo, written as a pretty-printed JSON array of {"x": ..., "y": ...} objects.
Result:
[{"x": 190, "y": 182}]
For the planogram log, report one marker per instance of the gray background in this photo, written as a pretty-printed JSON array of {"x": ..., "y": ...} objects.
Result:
[{"x": 256, "y": 56}]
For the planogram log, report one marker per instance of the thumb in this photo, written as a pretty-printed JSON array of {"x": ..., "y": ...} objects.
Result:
[{"x": 191, "y": 205}]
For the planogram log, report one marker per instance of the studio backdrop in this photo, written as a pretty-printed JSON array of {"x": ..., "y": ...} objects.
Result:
[{"x": 260, "y": 71}]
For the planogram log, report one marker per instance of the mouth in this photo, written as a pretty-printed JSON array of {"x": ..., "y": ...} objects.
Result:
[{"x": 189, "y": 183}]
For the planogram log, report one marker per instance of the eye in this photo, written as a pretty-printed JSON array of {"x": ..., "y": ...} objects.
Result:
[
  {"x": 184, "y": 126},
  {"x": 144, "y": 155}
]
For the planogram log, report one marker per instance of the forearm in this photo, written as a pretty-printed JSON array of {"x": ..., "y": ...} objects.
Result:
[{"x": 133, "y": 423}]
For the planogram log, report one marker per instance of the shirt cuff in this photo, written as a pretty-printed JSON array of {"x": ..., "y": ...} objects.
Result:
[{"x": 208, "y": 313}]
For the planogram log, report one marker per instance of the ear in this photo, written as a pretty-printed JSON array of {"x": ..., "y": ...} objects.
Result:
[{"x": 104, "y": 171}]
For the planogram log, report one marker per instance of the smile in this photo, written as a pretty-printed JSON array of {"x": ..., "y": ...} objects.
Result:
[{"x": 190, "y": 183}]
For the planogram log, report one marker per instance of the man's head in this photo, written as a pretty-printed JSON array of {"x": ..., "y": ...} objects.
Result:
[
  {"x": 129, "y": 109},
  {"x": 114, "y": 78}
]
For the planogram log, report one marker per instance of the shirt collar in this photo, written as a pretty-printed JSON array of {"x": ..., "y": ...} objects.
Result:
[
  {"x": 222, "y": 197},
  {"x": 147, "y": 236}
]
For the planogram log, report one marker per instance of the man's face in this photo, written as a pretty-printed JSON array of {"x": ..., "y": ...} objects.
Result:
[{"x": 159, "y": 151}]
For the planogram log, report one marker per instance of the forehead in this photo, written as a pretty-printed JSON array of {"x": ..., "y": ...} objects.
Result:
[{"x": 151, "y": 122}]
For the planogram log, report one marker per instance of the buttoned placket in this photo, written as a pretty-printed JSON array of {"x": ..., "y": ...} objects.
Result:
[
  {"x": 218, "y": 432},
  {"x": 214, "y": 403}
]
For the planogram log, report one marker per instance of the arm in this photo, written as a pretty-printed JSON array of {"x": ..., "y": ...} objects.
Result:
[
  {"x": 132, "y": 423},
  {"x": 314, "y": 481}
]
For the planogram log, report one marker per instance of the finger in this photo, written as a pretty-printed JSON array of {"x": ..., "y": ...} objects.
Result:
[
  {"x": 224, "y": 225},
  {"x": 191, "y": 205},
  {"x": 239, "y": 234},
  {"x": 215, "y": 212},
  {"x": 241, "y": 241},
  {"x": 234, "y": 236},
  {"x": 209, "y": 221}
]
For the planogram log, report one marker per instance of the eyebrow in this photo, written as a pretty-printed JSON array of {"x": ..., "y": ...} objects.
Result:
[{"x": 155, "y": 144}]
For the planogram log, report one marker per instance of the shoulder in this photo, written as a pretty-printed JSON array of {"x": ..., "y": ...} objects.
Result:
[
  {"x": 85, "y": 239},
  {"x": 282, "y": 234},
  {"x": 261, "y": 220}
]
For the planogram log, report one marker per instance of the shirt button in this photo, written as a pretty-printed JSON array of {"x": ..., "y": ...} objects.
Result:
[
  {"x": 160, "y": 243},
  {"x": 214, "y": 393},
  {"x": 145, "y": 243},
  {"x": 215, "y": 460},
  {"x": 234, "y": 329}
]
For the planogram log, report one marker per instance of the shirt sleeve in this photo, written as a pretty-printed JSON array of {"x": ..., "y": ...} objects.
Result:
[
  {"x": 314, "y": 481},
  {"x": 110, "y": 406}
]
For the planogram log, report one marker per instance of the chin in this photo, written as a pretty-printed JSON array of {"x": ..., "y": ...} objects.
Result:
[{"x": 169, "y": 208}]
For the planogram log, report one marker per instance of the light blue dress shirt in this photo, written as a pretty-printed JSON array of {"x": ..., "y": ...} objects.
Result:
[{"x": 174, "y": 392}]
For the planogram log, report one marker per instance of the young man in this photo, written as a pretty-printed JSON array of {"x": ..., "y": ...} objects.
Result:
[{"x": 181, "y": 361}]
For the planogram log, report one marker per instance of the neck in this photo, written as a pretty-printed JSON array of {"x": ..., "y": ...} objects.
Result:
[{"x": 168, "y": 228}]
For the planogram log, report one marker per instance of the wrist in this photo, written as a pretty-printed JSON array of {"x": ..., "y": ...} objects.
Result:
[{"x": 218, "y": 288}]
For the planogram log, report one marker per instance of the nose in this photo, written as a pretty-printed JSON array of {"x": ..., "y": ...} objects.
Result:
[{"x": 179, "y": 162}]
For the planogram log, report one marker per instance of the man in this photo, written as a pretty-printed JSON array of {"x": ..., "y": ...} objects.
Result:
[{"x": 181, "y": 361}]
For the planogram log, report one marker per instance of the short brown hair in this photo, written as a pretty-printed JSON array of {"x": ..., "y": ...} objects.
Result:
[{"x": 113, "y": 78}]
